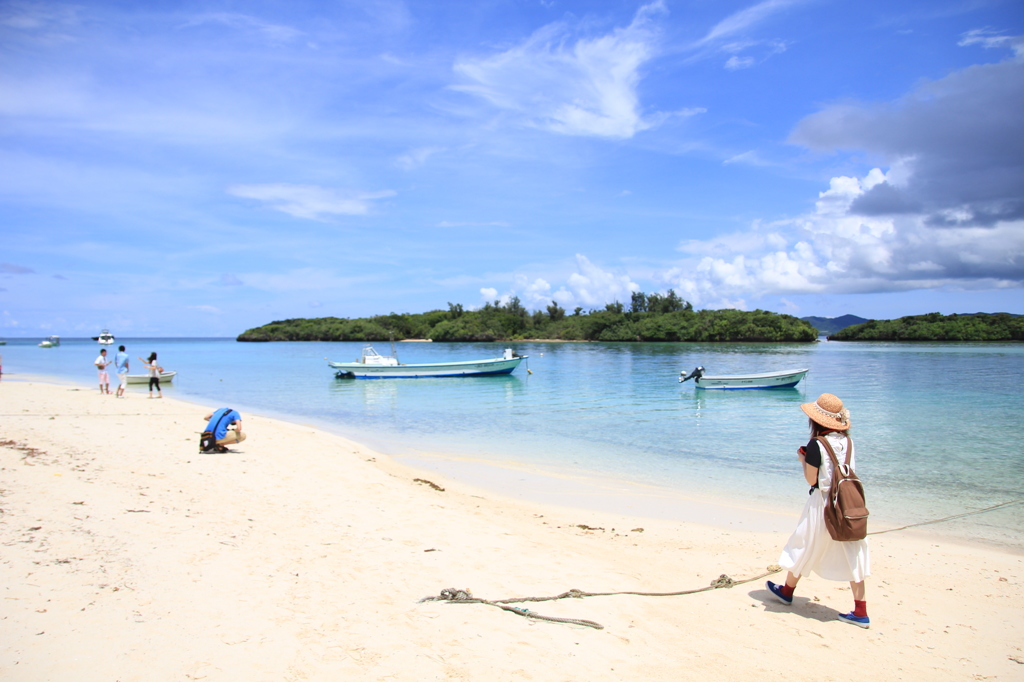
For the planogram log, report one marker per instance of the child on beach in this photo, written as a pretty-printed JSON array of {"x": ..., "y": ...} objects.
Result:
[
  {"x": 154, "y": 375},
  {"x": 811, "y": 548}
]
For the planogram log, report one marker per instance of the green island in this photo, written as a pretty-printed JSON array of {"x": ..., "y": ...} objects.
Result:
[
  {"x": 937, "y": 327},
  {"x": 649, "y": 317}
]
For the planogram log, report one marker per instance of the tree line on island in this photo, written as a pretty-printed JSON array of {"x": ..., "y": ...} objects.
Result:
[
  {"x": 649, "y": 317},
  {"x": 937, "y": 327}
]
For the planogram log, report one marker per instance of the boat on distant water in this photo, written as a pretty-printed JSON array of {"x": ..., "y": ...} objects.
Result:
[
  {"x": 372, "y": 365},
  {"x": 783, "y": 379},
  {"x": 105, "y": 338},
  {"x": 50, "y": 342},
  {"x": 144, "y": 378}
]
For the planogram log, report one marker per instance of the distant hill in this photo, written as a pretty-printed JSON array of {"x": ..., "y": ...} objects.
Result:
[{"x": 830, "y": 325}]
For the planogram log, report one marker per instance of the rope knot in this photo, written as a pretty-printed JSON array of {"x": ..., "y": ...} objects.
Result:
[
  {"x": 723, "y": 581},
  {"x": 455, "y": 594}
]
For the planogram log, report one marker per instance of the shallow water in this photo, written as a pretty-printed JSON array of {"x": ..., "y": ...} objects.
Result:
[{"x": 935, "y": 424}]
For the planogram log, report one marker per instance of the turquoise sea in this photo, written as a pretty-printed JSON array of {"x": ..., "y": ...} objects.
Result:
[{"x": 937, "y": 426}]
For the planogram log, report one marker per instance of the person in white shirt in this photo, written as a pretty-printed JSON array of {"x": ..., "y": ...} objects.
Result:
[{"x": 101, "y": 364}]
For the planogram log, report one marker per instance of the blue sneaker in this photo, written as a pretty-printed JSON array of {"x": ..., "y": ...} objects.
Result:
[
  {"x": 777, "y": 591},
  {"x": 859, "y": 621}
]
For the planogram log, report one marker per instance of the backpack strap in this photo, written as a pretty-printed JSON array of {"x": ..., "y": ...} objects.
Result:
[
  {"x": 228, "y": 410},
  {"x": 831, "y": 452}
]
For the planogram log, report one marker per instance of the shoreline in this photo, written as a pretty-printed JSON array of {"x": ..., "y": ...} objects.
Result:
[
  {"x": 579, "y": 488},
  {"x": 302, "y": 554}
]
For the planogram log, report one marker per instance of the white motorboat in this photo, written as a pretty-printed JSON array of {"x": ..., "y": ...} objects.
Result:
[
  {"x": 165, "y": 377},
  {"x": 105, "y": 338},
  {"x": 782, "y": 379},
  {"x": 50, "y": 342},
  {"x": 372, "y": 365}
]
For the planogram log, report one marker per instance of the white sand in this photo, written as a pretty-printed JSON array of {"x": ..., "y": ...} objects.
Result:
[{"x": 126, "y": 555}]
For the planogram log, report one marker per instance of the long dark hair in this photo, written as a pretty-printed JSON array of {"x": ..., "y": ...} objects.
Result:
[
  {"x": 152, "y": 357},
  {"x": 819, "y": 430}
]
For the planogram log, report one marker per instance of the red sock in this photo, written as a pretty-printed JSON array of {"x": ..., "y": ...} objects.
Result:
[
  {"x": 787, "y": 591},
  {"x": 860, "y": 608}
]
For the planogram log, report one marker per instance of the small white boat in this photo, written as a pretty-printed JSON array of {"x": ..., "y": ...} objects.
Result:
[
  {"x": 372, "y": 365},
  {"x": 105, "y": 338},
  {"x": 144, "y": 378},
  {"x": 784, "y": 379},
  {"x": 50, "y": 342}
]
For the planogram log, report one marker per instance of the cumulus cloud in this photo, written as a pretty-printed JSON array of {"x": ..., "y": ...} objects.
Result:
[
  {"x": 571, "y": 85},
  {"x": 836, "y": 250},
  {"x": 959, "y": 141},
  {"x": 586, "y": 285},
  {"x": 310, "y": 201}
]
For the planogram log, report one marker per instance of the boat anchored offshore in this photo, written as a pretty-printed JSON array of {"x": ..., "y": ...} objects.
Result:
[
  {"x": 50, "y": 342},
  {"x": 105, "y": 338},
  {"x": 372, "y": 365},
  {"x": 783, "y": 379}
]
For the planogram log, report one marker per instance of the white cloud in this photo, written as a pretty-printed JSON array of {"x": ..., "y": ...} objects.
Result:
[
  {"x": 310, "y": 201},
  {"x": 584, "y": 86},
  {"x": 415, "y": 158},
  {"x": 991, "y": 39},
  {"x": 836, "y": 251},
  {"x": 735, "y": 63},
  {"x": 586, "y": 285},
  {"x": 745, "y": 19},
  {"x": 273, "y": 33}
]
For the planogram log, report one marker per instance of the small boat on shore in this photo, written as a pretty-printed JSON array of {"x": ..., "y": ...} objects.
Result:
[
  {"x": 165, "y": 377},
  {"x": 105, "y": 338},
  {"x": 783, "y": 379},
  {"x": 50, "y": 342},
  {"x": 372, "y": 365}
]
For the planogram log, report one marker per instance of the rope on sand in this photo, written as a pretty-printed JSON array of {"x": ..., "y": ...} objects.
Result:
[
  {"x": 949, "y": 518},
  {"x": 458, "y": 596},
  {"x": 454, "y": 595}
]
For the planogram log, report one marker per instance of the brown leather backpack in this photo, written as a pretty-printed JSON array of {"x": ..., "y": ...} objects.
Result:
[{"x": 846, "y": 513}]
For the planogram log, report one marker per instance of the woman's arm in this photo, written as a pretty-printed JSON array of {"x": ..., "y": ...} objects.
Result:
[{"x": 810, "y": 471}]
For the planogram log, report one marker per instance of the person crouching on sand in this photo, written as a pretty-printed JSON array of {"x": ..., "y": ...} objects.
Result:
[
  {"x": 811, "y": 548},
  {"x": 226, "y": 426}
]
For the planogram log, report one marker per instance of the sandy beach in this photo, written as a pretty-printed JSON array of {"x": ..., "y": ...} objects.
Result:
[{"x": 300, "y": 555}]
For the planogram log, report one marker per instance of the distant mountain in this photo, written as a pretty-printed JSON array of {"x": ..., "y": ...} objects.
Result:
[{"x": 830, "y": 325}]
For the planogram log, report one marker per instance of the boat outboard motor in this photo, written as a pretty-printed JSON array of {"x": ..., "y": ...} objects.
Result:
[{"x": 695, "y": 374}]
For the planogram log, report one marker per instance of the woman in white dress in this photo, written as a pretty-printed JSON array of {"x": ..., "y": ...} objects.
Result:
[{"x": 811, "y": 549}]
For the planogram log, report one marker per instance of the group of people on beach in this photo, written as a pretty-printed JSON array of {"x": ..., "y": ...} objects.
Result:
[{"x": 121, "y": 363}]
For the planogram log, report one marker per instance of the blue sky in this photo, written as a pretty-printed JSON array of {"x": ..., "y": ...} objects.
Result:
[{"x": 199, "y": 168}]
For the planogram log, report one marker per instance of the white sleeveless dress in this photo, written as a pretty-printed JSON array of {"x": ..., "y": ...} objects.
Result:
[{"x": 810, "y": 548}]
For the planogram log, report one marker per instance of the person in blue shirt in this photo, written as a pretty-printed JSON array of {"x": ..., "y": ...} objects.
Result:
[
  {"x": 219, "y": 422},
  {"x": 121, "y": 365}
]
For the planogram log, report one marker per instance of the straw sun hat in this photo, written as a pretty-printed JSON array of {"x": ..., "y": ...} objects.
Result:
[{"x": 828, "y": 411}]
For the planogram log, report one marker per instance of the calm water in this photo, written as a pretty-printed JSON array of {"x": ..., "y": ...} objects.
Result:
[{"x": 936, "y": 425}]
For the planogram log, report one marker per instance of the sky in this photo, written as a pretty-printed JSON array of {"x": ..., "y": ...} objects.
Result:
[{"x": 201, "y": 168}]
